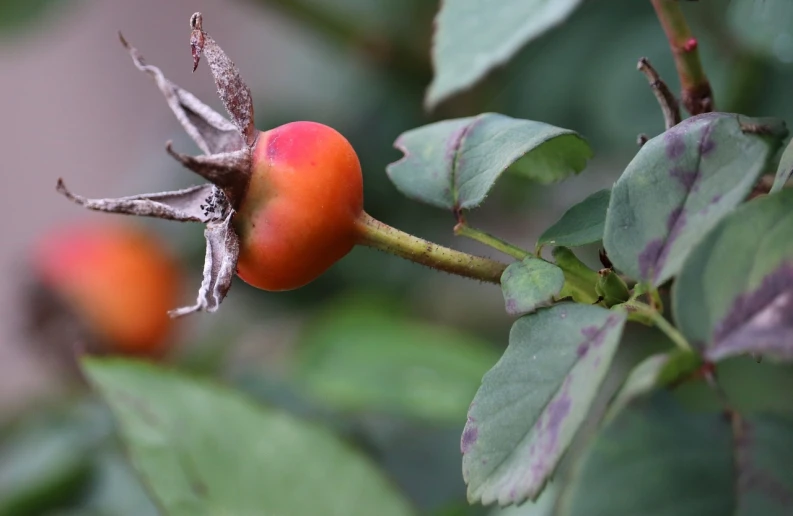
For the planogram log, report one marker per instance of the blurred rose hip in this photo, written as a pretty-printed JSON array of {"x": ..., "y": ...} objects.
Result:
[{"x": 105, "y": 288}]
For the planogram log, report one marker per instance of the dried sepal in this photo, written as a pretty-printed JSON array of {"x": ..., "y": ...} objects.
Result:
[
  {"x": 228, "y": 170},
  {"x": 210, "y": 130},
  {"x": 187, "y": 205},
  {"x": 233, "y": 91},
  {"x": 197, "y": 39},
  {"x": 220, "y": 265},
  {"x": 227, "y": 165}
]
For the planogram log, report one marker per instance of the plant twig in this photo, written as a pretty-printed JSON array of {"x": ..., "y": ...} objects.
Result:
[
  {"x": 659, "y": 321},
  {"x": 462, "y": 229},
  {"x": 696, "y": 95},
  {"x": 376, "y": 234},
  {"x": 669, "y": 106}
]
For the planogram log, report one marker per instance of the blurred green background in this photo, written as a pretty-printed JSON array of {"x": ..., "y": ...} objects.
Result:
[{"x": 386, "y": 353}]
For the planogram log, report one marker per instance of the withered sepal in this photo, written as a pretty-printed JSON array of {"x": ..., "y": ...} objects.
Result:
[{"x": 226, "y": 164}]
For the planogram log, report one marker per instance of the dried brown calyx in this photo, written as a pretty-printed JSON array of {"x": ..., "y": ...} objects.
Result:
[{"x": 226, "y": 164}]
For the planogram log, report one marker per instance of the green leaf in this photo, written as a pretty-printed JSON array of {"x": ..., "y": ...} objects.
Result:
[
  {"x": 663, "y": 459},
  {"x": 763, "y": 26},
  {"x": 764, "y": 453},
  {"x": 580, "y": 225},
  {"x": 654, "y": 372},
  {"x": 364, "y": 357},
  {"x": 453, "y": 164},
  {"x": 534, "y": 400},
  {"x": 679, "y": 185},
  {"x": 203, "y": 449},
  {"x": 116, "y": 490},
  {"x": 735, "y": 292},
  {"x": 580, "y": 280},
  {"x": 45, "y": 462},
  {"x": 474, "y": 36},
  {"x": 15, "y": 16},
  {"x": 660, "y": 459},
  {"x": 530, "y": 284},
  {"x": 785, "y": 169}
]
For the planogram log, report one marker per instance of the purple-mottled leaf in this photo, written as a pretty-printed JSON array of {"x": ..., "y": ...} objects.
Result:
[
  {"x": 679, "y": 186},
  {"x": 735, "y": 292},
  {"x": 658, "y": 458},
  {"x": 533, "y": 401},
  {"x": 530, "y": 284},
  {"x": 453, "y": 164}
]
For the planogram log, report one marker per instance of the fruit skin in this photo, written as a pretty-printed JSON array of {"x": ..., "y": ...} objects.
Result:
[
  {"x": 117, "y": 279},
  {"x": 298, "y": 216}
]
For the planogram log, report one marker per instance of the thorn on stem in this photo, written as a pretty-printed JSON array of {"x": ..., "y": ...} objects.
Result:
[
  {"x": 669, "y": 105},
  {"x": 690, "y": 45}
]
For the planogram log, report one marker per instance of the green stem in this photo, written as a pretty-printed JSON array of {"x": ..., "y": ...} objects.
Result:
[
  {"x": 462, "y": 229},
  {"x": 660, "y": 322},
  {"x": 697, "y": 96},
  {"x": 373, "y": 233}
]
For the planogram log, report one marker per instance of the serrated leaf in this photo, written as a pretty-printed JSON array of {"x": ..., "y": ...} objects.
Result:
[
  {"x": 203, "y": 449},
  {"x": 543, "y": 506},
  {"x": 785, "y": 169},
  {"x": 533, "y": 401},
  {"x": 735, "y": 292},
  {"x": 679, "y": 185},
  {"x": 530, "y": 284},
  {"x": 365, "y": 357},
  {"x": 663, "y": 459},
  {"x": 453, "y": 164},
  {"x": 474, "y": 36},
  {"x": 580, "y": 225}
]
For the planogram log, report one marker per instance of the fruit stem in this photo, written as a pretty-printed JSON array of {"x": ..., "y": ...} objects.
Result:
[
  {"x": 373, "y": 233},
  {"x": 462, "y": 229}
]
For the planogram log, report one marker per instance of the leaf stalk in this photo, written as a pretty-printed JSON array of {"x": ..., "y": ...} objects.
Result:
[{"x": 463, "y": 229}]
